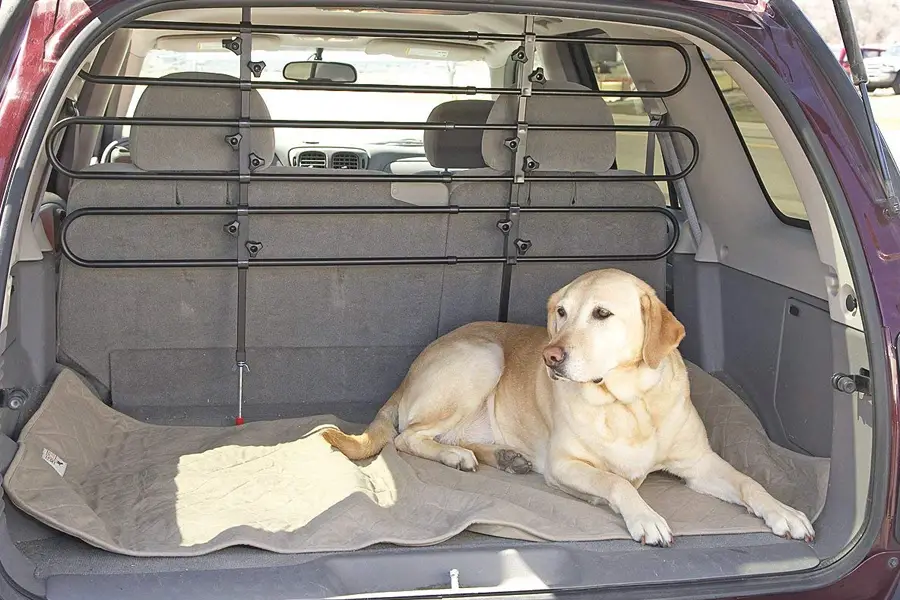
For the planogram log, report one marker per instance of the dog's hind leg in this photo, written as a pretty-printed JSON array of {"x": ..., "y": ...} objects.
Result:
[
  {"x": 444, "y": 396},
  {"x": 423, "y": 445}
]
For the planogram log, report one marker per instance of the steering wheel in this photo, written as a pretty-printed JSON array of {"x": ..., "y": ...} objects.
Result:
[{"x": 107, "y": 152}]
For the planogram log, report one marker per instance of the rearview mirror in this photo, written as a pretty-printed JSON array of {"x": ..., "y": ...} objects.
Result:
[{"x": 318, "y": 71}]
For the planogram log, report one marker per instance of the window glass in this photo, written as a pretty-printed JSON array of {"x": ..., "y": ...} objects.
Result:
[
  {"x": 774, "y": 174},
  {"x": 631, "y": 147},
  {"x": 310, "y": 105}
]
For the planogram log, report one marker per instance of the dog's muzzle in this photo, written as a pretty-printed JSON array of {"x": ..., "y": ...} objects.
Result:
[{"x": 556, "y": 374}]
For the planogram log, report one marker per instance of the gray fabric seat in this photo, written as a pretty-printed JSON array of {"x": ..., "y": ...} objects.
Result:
[
  {"x": 334, "y": 333},
  {"x": 336, "y": 339},
  {"x": 564, "y": 152},
  {"x": 137, "y": 331},
  {"x": 348, "y": 334}
]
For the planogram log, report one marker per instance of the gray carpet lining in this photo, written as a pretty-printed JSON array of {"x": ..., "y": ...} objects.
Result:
[{"x": 145, "y": 490}]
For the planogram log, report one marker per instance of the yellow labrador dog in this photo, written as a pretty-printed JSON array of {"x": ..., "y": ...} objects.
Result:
[{"x": 595, "y": 403}]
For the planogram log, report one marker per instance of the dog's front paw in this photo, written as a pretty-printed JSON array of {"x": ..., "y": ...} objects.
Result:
[
  {"x": 459, "y": 458},
  {"x": 649, "y": 528},
  {"x": 788, "y": 522}
]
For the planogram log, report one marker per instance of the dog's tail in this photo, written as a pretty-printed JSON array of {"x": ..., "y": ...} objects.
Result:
[{"x": 376, "y": 436}]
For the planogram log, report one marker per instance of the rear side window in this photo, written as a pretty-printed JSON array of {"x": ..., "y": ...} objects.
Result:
[
  {"x": 610, "y": 74},
  {"x": 765, "y": 155}
]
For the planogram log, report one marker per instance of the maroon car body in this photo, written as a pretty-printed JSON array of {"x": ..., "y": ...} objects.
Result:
[{"x": 788, "y": 54}]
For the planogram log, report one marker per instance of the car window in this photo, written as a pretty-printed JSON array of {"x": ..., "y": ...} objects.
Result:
[
  {"x": 309, "y": 105},
  {"x": 611, "y": 74},
  {"x": 767, "y": 159},
  {"x": 871, "y": 52},
  {"x": 893, "y": 51}
]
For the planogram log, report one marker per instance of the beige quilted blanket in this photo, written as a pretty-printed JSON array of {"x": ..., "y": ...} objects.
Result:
[{"x": 148, "y": 490}]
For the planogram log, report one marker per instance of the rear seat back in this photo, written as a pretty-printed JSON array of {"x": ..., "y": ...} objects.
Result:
[
  {"x": 139, "y": 331},
  {"x": 468, "y": 234},
  {"x": 348, "y": 334},
  {"x": 339, "y": 336},
  {"x": 565, "y": 152}
]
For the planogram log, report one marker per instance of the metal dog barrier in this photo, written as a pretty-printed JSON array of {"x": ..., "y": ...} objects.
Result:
[{"x": 524, "y": 168}]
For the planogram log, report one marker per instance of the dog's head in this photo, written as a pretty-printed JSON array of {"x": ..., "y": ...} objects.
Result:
[{"x": 605, "y": 320}]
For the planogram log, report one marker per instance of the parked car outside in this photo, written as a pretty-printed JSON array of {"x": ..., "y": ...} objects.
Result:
[
  {"x": 883, "y": 69},
  {"x": 868, "y": 51}
]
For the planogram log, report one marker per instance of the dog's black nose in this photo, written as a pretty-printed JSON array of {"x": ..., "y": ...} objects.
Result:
[{"x": 554, "y": 356}]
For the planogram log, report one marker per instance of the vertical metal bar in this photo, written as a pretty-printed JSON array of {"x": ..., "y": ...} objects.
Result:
[
  {"x": 243, "y": 218},
  {"x": 518, "y": 145},
  {"x": 650, "y": 161}
]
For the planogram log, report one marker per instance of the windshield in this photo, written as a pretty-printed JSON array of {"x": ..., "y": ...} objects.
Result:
[
  {"x": 336, "y": 105},
  {"x": 893, "y": 51}
]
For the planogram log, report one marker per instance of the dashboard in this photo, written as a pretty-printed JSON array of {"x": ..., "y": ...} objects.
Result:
[
  {"x": 395, "y": 159},
  {"x": 398, "y": 159}
]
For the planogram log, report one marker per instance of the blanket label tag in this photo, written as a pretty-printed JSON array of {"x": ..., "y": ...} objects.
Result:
[{"x": 58, "y": 464}]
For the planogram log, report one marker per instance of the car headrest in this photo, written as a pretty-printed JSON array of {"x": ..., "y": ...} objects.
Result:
[
  {"x": 457, "y": 148},
  {"x": 163, "y": 148},
  {"x": 584, "y": 151}
]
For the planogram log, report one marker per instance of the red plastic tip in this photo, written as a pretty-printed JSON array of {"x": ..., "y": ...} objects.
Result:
[{"x": 239, "y": 420}]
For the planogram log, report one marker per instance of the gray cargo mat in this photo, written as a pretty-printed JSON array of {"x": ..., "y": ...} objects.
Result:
[{"x": 151, "y": 490}]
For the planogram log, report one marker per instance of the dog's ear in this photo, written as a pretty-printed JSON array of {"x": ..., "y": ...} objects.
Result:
[{"x": 662, "y": 331}]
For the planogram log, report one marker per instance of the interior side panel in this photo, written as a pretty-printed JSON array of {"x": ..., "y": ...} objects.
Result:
[
  {"x": 29, "y": 343},
  {"x": 804, "y": 352},
  {"x": 851, "y": 455},
  {"x": 772, "y": 343}
]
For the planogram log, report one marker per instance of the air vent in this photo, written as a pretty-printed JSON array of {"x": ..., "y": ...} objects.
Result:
[
  {"x": 345, "y": 160},
  {"x": 311, "y": 159}
]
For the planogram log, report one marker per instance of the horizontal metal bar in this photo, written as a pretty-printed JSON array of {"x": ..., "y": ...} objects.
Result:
[
  {"x": 440, "y": 178},
  {"x": 289, "y": 123},
  {"x": 390, "y": 261},
  {"x": 450, "y": 209},
  {"x": 294, "y": 85},
  {"x": 372, "y": 87},
  {"x": 348, "y": 262},
  {"x": 387, "y": 178},
  {"x": 368, "y": 125},
  {"x": 420, "y": 34},
  {"x": 674, "y": 230},
  {"x": 408, "y": 34}
]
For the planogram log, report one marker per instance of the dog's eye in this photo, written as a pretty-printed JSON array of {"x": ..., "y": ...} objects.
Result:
[
  {"x": 561, "y": 311},
  {"x": 601, "y": 313}
]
